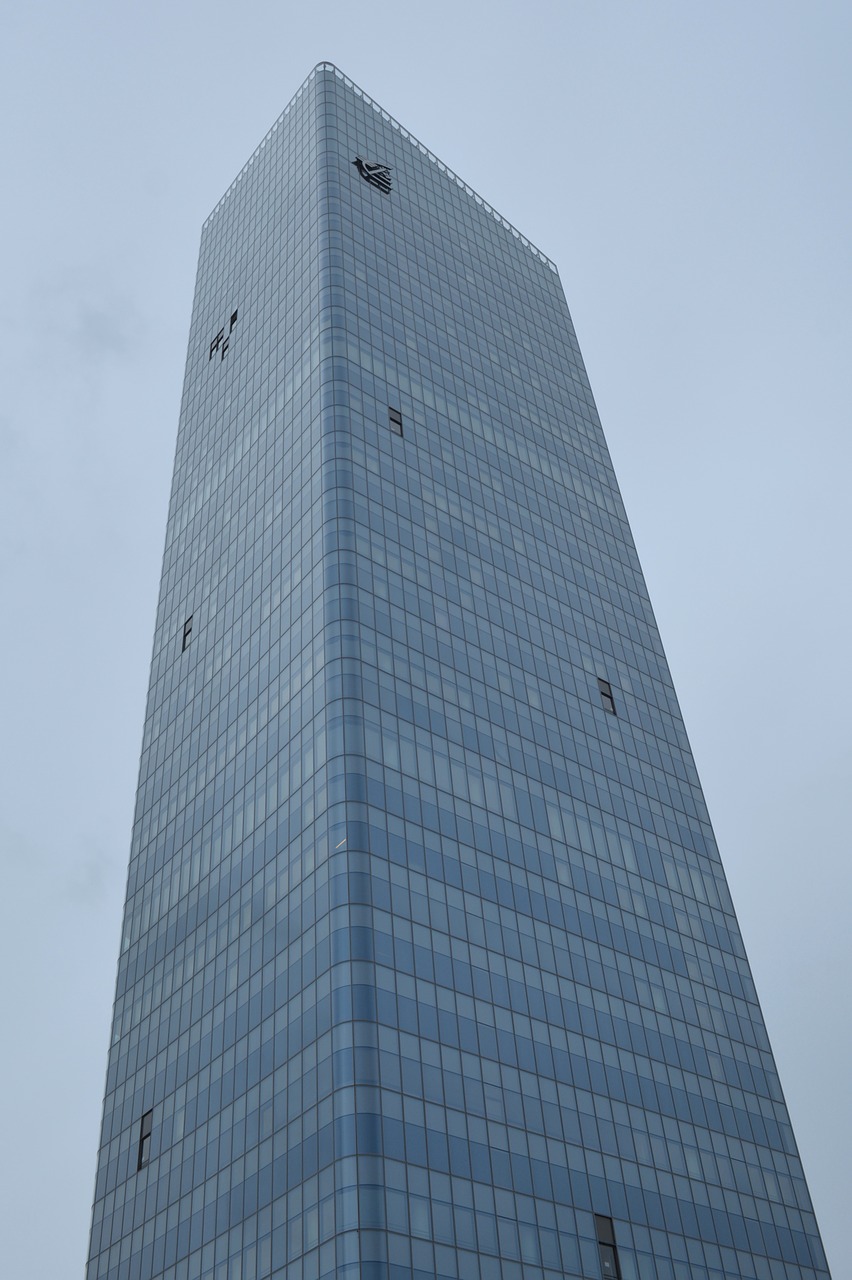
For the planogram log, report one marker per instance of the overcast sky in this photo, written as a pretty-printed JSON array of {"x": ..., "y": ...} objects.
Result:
[{"x": 687, "y": 166}]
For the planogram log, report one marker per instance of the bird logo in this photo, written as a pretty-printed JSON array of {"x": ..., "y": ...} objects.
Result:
[{"x": 378, "y": 175}]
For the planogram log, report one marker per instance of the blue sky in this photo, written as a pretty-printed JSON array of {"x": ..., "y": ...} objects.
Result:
[{"x": 687, "y": 168}]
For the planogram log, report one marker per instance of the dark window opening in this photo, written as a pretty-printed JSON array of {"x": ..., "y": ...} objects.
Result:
[
  {"x": 607, "y": 697},
  {"x": 606, "y": 1246},
  {"x": 187, "y": 632},
  {"x": 233, "y": 320},
  {"x": 144, "y": 1140},
  {"x": 395, "y": 420},
  {"x": 214, "y": 345}
]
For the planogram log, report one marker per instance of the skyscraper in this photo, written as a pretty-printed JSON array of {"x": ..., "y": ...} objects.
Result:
[{"x": 428, "y": 967}]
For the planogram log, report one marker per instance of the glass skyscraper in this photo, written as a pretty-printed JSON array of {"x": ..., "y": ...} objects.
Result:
[{"x": 428, "y": 965}]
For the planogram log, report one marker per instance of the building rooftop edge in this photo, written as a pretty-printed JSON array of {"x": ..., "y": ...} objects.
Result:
[{"x": 405, "y": 133}]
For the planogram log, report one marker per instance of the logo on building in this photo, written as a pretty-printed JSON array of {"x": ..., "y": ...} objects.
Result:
[
  {"x": 221, "y": 342},
  {"x": 378, "y": 175}
]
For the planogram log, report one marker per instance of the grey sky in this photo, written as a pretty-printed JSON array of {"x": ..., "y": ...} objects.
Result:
[{"x": 687, "y": 168}]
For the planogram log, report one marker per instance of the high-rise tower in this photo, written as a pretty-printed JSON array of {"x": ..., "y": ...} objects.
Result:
[{"x": 428, "y": 967}]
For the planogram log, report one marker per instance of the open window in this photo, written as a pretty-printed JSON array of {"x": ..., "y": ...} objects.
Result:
[
  {"x": 144, "y": 1140},
  {"x": 606, "y": 1248},
  {"x": 395, "y": 420},
  {"x": 607, "y": 697}
]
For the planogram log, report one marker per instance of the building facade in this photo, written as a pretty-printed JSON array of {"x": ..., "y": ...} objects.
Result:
[{"x": 429, "y": 967}]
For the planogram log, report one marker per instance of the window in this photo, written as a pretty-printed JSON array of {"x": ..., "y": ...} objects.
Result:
[
  {"x": 144, "y": 1140},
  {"x": 233, "y": 321},
  {"x": 395, "y": 419},
  {"x": 606, "y": 697},
  {"x": 187, "y": 632},
  {"x": 606, "y": 1247}
]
